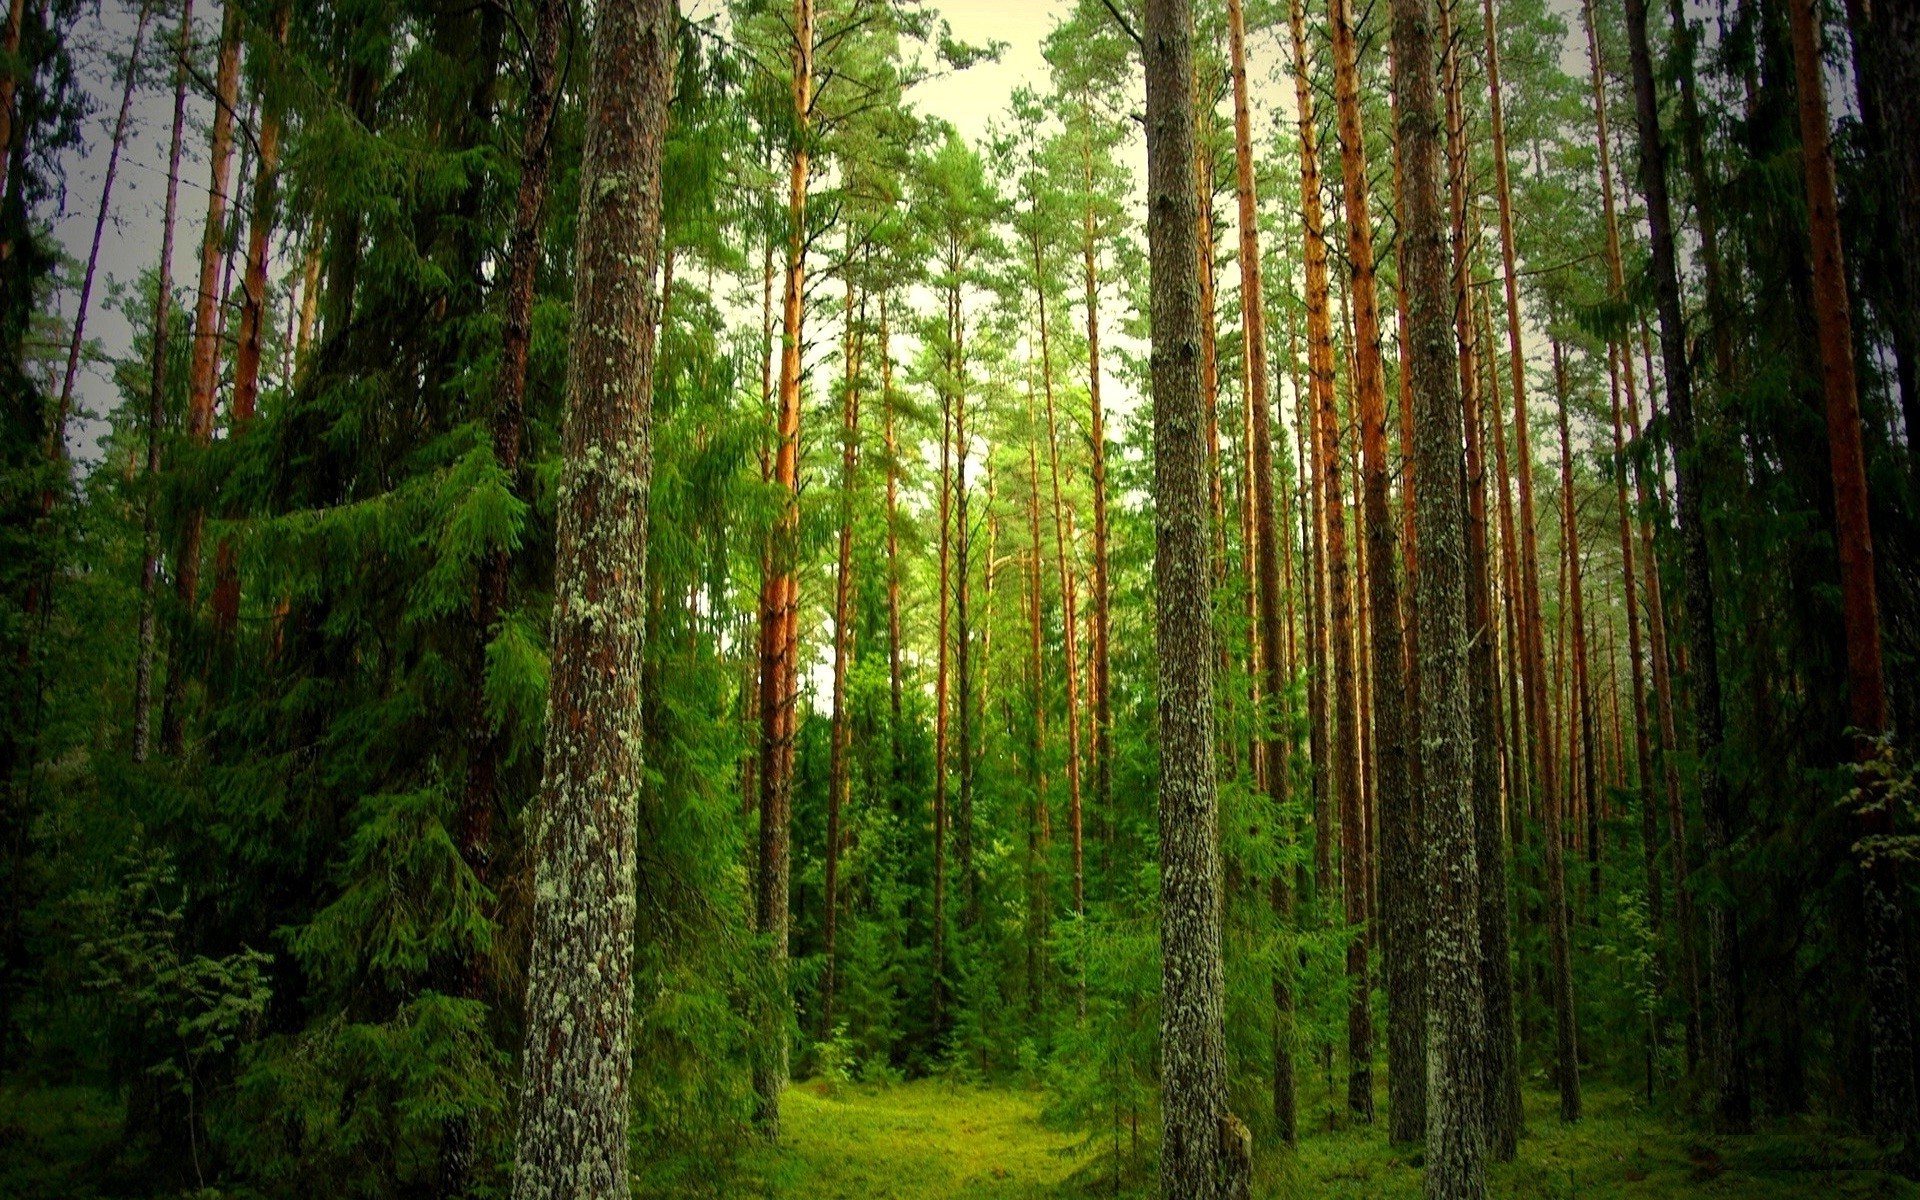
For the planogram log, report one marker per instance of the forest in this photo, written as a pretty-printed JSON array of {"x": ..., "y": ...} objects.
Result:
[{"x": 834, "y": 599}]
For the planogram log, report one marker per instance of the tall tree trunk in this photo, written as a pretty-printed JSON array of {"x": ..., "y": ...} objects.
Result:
[
  {"x": 573, "y": 1133},
  {"x": 1642, "y": 741},
  {"x": 1205, "y": 1150},
  {"x": 1500, "y": 1085},
  {"x": 1065, "y": 555},
  {"x": 9, "y": 86},
  {"x": 1895, "y": 1114},
  {"x": 1346, "y": 755},
  {"x": 478, "y": 796},
  {"x": 838, "y": 783},
  {"x": 203, "y": 372},
  {"x": 893, "y": 539},
  {"x": 1669, "y": 760},
  {"x": 57, "y": 443},
  {"x": 1097, "y": 439},
  {"x": 1275, "y": 740},
  {"x": 1320, "y": 395},
  {"x": 779, "y": 613},
  {"x": 156, "y": 387},
  {"x": 1036, "y": 682},
  {"x": 1581, "y": 785},
  {"x": 1732, "y": 1104},
  {"x": 1398, "y": 807},
  {"x": 940, "y": 687},
  {"x": 1456, "y": 1014},
  {"x": 253, "y": 314},
  {"x": 1560, "y": 951},
  {"x": 1620, "y": 359},
  {"x": 963, "y": 574}
]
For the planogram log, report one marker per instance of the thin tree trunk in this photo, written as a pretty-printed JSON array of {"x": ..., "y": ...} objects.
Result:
[
  {"x": 253, "y": 313},
  {"x": 1387, "y": 771},
  {"x": 573, "y": 1134},
  {"x": 1205, "y": 1151},
  {"x": 1070, "y": 611},
  {"x": 1560, "y": 951},
  {"x": 1669, "y": 763},
  {"x": 1895, "y": 1114},
  {"x": 1580, "y": 785},
  {"x": 893, "y": 537},
  {"x": 57, "y": 444},
  {"x": 1097, "y": 439},
  {"x": 1253, "y": 321},
  {"x": 478, "y": 796},
  {"x": 156, "y": 389},
  {"x": 838, "y": 783},
  {"x": 938, "y": 984},
  {"x": 1320, "y": 396},
  {"x": 203, "y": 371},
  {"x": 1732, "y": 1104},
  {"x": 779, "y": 615},
  {"x": 1036, "y": 683},
  {"x": 1620, "y": 358}
]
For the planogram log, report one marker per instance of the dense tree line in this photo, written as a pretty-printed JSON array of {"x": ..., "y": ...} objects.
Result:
[{"x": 638, "y": 564}]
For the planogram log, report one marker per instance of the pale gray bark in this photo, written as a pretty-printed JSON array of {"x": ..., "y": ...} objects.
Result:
[
  {"x": 572, "y": 1139},
  {"x": 1203, "y": 1146},
  {"x": 1456, "y": 1018}
]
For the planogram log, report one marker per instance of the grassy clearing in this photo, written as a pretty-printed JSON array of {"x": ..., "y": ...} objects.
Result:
[
  {"x": 926, "y": 1139},
  {"x": 935, "y": 1140}
]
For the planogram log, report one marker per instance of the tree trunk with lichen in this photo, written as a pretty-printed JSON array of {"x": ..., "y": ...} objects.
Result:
[
  {"x": 1456, "y": 1028},
  {"x": 1204, "y": 1148},
  {"x": 573, "y": 1137}
]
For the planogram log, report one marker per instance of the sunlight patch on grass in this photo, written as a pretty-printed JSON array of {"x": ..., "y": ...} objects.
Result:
[{"x": 926, "y": 1139}]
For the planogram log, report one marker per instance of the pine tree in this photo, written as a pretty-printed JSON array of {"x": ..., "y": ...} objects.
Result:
[{"x": 573, "y": 1115}]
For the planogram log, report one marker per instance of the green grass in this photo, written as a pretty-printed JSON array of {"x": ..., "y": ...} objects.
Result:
[
  {"x": 933, "y": 1139},
  {"x": 52, "y": 1139},
  {"x": 923, "y": 1139},
  {"x": 1621, "y": 1149}
]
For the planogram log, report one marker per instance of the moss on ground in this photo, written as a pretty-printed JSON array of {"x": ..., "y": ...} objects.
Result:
[
  {"x": 923, "y": 1139},
  {"x": 932, "y": 1139}
]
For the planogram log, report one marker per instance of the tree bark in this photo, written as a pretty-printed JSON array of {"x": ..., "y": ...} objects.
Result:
[
  {"x": 779, "y": 613},
  {"x": 1500, "y": 1084},
  {"x": 57, "y": 443},
  {"x": 1895, "y": 1114},
  {"x": 203, "y": 371},
  {"x": 1203, "y": 1150},
  {"x": 1387, "y": 765},
  {"x": 1065, "y": 555},
  {"x": 1097, "y": 440},
  {"x": 838, "y": 782},
  {"x": 479, "y": 794},
  {"x": 1560, "y": 954},
  {"x": 156, "y": 387},
  {"x": 1320, "y": 394},
  {"x": 1732, "y": 1104},
  {"x": 573, "y": 1134},
  {"x": 1276, "y": 742},
  {"x": 253, "y": 314},
  {"x": 1456, "y": 1014}
]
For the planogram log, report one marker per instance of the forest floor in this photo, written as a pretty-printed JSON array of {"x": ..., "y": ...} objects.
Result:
[{"x": 934, "y": 1140}]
